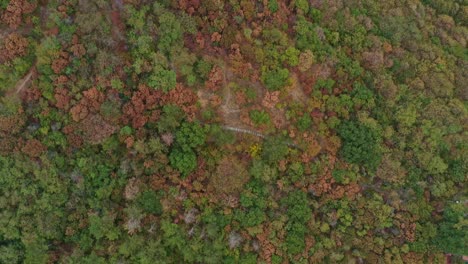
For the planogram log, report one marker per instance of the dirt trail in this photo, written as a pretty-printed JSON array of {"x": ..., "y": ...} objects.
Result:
[
  {"x": 230, "y": 111},
  {"x": 296, "y": 91},
  {"x": 23, "y": 82}
]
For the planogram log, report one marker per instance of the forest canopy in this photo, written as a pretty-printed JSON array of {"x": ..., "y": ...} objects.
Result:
[{"x": 233, "y": 131}]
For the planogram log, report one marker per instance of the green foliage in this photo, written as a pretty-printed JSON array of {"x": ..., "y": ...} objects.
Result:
[
  {"x": 9, "y": 106},
  {"x": 11, "y": 252},
  {"x": 253, "y": 204},
  {"x": 349, "y": 66},
  {"x": 220, "y": 136},
  {"x": 302, "y": 5},
  {"x": 184, "y": 161},
  {"x": 203, "y": 68},
  {"x": 307, "y": 38},
  {"x": 326, "y": 84},
  {"x": 263, "y": 171},
  {"x": 296, "y": 171},
  {"x": 136, "y": 18},
  {"x": 170, "y": 32},
  {"x": 190, "y": 135},
  {"x": 298, "y": 209},
  {"x": 251, "y": 217},
  {"x": 362, "y": 97},
  {"x": 259, "y": 117},
  {"x": 291, "y": 56},
  {"x": 359, "y": 144},
  {"x": 304, "y": 122},
  {"x": 381, "y": 212},
  {"x": 46, "y": 52},
  {"x": 295, "y": 243},
  {"x": 103, "y": 227},
  {"x": 343, "y": 176},
  {"x": 171, "y": 118},
  {"x": 10, "y": 75},
  {"x": 457, "y": 169},
  {"x": 273, "y": 5},
  {"x": 4, "y": 4},
  {"x": 299, "y": 213},
  {"x": 274, "y": 149},
  {"x": 125, "y": 131},
  {"x": 452, "y": 231},
  {"x": 162, "y": 79},
  {"x": 149, "y": 201},
  {"x": 388, "y": 77},
  {"x": 398, "y": 28},
  {"x": 316, "y": 14},
  {"x": 275, "y": 79}
]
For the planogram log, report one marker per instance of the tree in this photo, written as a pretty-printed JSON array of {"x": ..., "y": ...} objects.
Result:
[
  {"x": 149, "y": 201},
  {"x": 304, "y": 122},
  {"x": 360, "y": 144},
  {"x": 259, "y": 117},
  {"x": 302, "y": 5},
  {"x": 170, "y": 33},
  {"x": 306, "y": 59},
  {"x": 275, "y": 79},
  {"x": 299, "y": 213},
  {"x": 163, "y": 79},
  {"x": 274, "y": 149},
  {"x": 273, "y": 5},
  {"x": 263, "y": 171},
  {"x": 291, "y": 56},
  {"x": 184, "y": 161},
  {"x": 190, "y": 135},
  {"x": 452, "y": 231}
]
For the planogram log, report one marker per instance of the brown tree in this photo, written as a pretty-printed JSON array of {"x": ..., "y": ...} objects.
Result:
[{"x": 15, "y": 11}]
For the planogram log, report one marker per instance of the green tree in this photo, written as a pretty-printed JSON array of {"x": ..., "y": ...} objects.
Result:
[
  {"x": 273, "y": 5},
  {"x": 171, "y": 118},
  {"x": 275, "y": 79},
  {"x": 149, "y": 201},
  {"x": 291, "y": 56},
  {"x": 452, "y": 232},
  {"x": 190, "y": 135},
  {"x": 302, "y": 5},
  {"x": 162, "y": 79},
  {"x": 259, "y": 117},
  {"x": 184, "y": 161},
  {"x": 274, "y": 149},
  {"x": 170, "y": 33},
  {"x": 299, "y": 213},
  {"x": 359, "y": 144}
]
